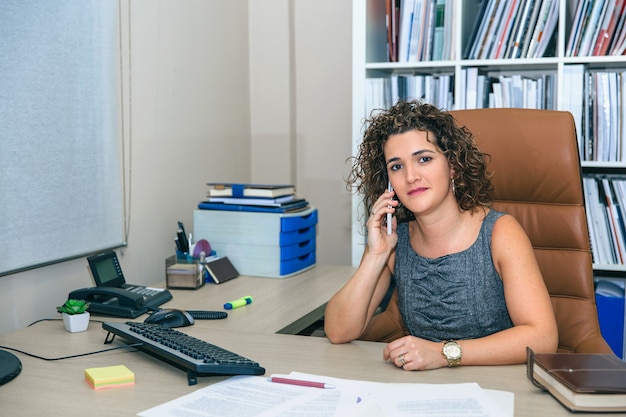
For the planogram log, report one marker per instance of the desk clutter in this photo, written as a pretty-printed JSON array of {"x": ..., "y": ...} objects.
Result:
[
  {"x": 196, "y": 263},
  {"x": 265, "y": 230}
]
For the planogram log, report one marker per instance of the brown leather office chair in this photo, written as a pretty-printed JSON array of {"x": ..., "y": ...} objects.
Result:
[{"x": 537, "y": 179}]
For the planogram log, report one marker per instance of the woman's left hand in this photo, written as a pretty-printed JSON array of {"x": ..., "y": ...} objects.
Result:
[{"x": 414, "y": 354}]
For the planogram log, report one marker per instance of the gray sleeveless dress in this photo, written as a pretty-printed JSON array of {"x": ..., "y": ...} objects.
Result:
[{"x": 456, "y": 296}]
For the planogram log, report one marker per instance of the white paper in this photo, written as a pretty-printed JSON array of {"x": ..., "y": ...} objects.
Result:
[
  {"x": 254, "y": 396},
  {"x": 402, "y": 399},
  {"x": 441, "y": 400}
]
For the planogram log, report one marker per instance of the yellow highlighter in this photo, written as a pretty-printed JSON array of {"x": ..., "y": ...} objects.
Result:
[{"x": 238, "y": 303}]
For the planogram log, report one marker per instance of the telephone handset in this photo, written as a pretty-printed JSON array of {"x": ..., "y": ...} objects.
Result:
[{"x": 111, "y": 301}]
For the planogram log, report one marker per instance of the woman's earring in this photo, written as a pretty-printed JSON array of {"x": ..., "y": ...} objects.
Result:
[{"x": 453, "y": 187}]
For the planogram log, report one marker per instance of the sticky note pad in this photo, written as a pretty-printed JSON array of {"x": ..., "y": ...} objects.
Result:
[{"x": 109, "y": 377}]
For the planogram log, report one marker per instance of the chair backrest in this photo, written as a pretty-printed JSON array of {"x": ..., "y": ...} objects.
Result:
[{"x": 537, "y": 179}]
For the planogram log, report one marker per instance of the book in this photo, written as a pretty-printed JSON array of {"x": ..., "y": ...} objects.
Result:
[
  {"x": 581, "y": 381},
  {"x": 109, "y": 377},
  {"x": 255, "y": 201},
  {"x": 249, "y": 190},
  {"x": 478, "y": 22},
  {"x": 517, "y": 31},
  {"x": 528, "y": 30},
  {"x": 547, "y": 7},
  {"x": 620, "y": 32},
  {"x": 590, "y": 25},
  {"x": 603, "y": 37},
  {"x": 428, "y": 31},
  {"x": 573, "y": 98},
  {"x": 406, "y": 28},
  {"x": 500, "y": 47},
  {"x": 545, "y": 38},
  {"x": 577, "y": 28},
  {"x": 220, "y": 269},
  {"x": 439, "y": 30},
  {"x": 493, "y": 30},
  {"x": 483, "y": 19},
  {"x": 292, "y": 206},
  {"x": 483, "y": 39}
]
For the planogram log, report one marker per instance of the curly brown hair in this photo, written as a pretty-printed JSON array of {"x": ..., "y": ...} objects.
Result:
[{"x": 368, "y": 175}]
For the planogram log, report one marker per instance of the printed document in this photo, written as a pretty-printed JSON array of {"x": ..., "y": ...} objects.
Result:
[{"x": 255, "y": 396}]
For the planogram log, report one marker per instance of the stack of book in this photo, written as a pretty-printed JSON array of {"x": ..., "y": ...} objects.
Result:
[
  {"x": 261, "y": 235},
  {"x": 605, "y": 204},
  {"x": 420, "y": 30},
  {"x": 273, "y": 198},
  {"x": 513, "y": 29},
  {"x": 598, "y": 28}
]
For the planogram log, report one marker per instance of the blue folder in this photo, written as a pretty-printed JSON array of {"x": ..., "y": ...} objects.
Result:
[{"x": 204, "y": 205}]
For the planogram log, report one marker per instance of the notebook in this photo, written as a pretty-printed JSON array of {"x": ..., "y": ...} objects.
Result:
[{"x": 107, "y": 272}]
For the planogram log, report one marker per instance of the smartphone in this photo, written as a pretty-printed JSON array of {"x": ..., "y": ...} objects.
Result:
[{"x": 390, "y": 188}]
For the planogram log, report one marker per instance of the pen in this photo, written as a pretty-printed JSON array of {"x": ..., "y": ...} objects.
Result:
[
  {"x": 238, "y": 303},
  {"x": 300, "y": 382},
  {"x": 178, "y": 245},
  {"x": 183, "y": 239}
]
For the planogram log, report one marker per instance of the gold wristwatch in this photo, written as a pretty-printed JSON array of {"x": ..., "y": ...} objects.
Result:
[{"x": 452, "y": 352}]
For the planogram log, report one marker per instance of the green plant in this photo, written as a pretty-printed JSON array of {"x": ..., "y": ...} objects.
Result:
[{"x": 73, "y": 307}]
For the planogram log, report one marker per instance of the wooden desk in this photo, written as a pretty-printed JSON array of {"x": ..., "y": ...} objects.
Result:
[
  {"x": 287, "y": 305},
  {"x": 51, "y": 388},
  {"x": 281, "y": 305}
]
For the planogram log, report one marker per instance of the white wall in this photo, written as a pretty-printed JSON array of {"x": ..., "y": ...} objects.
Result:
[
  {"x": 237, "y": 90},
  {"x": 300, "y": 71}
]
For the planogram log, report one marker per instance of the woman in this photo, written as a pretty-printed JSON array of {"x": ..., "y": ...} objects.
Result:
[{"x": 469, "y": 288}]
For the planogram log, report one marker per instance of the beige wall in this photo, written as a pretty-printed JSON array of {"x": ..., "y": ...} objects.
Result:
[{"x": 240, "y": 90}]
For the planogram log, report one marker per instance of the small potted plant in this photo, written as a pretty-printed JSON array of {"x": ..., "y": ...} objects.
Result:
[{"x": 75, "y": 315}]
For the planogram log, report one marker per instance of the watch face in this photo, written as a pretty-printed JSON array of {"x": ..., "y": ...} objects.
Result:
[{"x": 452, "y": 350}]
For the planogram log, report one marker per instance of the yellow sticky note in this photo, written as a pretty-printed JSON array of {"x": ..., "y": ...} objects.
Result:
[{"x": 109, "y": 376}]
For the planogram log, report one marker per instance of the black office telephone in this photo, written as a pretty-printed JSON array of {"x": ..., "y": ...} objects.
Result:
[
  {"x": 112, "y": 295},
  {"x": 111, "y": 301}
]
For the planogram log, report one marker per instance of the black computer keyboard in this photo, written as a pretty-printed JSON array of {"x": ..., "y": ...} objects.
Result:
[{"x": 197, "y": 357}]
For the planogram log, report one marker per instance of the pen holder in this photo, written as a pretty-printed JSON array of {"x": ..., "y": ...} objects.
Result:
[{"x": 183, "y": 272}]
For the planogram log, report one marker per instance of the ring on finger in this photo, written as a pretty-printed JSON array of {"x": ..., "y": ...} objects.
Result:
[{"x": 401, "y": 360}]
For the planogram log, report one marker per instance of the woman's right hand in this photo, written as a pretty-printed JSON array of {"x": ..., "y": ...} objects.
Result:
[{"x": 378, "y": 241}]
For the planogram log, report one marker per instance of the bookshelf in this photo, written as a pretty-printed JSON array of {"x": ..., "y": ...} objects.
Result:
[{"x": 376, "y": 85}]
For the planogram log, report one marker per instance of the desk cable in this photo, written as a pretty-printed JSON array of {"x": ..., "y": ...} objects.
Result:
[{"x": 70, "y": 356}]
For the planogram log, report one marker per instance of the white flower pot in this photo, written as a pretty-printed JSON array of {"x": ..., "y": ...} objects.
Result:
[{"x": 76, "y": 322}]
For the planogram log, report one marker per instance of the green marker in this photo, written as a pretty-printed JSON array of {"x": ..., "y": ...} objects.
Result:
[{"x": 238, "y": 303}]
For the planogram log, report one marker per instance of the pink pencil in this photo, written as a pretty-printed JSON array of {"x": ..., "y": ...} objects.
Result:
[{"x": 300, "y": 382}]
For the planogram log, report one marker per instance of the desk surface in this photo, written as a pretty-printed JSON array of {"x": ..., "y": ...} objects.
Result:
[
  {"x": 52, "y": 387},
  {"x": 281, "y": 305}
]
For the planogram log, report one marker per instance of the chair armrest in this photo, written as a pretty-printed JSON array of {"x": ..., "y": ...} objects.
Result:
[{"x": 593, "y": 344}]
